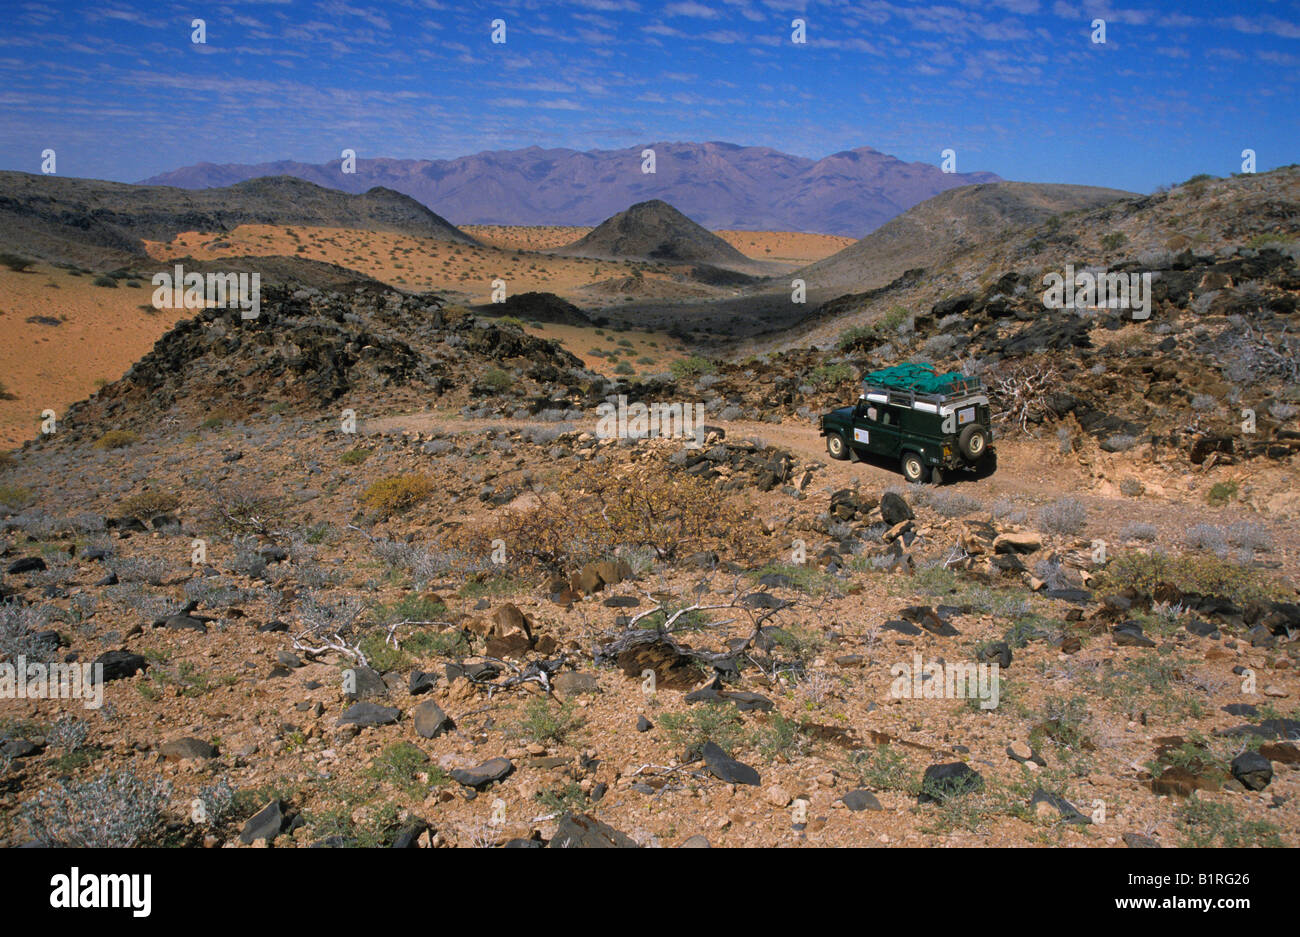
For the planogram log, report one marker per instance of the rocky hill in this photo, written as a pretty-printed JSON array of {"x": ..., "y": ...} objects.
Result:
[
  {"x": 938, "y": 230},
  {"x": 655, "y": 231},
  {"x": 367, "y": 347},
  {"x": 96, "y": 223}
]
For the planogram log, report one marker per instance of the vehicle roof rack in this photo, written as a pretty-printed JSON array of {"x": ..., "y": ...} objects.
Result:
[{"x": 910, "y": 382}]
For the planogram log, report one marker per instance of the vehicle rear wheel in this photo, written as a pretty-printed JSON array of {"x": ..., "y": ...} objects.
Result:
[
  {"x": 913, "y": 468},
  {"x": 836, "y": 447},
  {"x": 972, "y": 442}
]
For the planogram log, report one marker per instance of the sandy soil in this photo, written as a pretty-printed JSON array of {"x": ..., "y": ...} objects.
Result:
[{"x": 99, "y": 334}]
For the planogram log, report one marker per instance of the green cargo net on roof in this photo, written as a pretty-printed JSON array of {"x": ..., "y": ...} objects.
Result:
[{"x": 921, "y": 378}]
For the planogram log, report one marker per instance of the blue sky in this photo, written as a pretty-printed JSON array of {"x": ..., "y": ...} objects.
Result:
[{"x": 1016, "y": 87}]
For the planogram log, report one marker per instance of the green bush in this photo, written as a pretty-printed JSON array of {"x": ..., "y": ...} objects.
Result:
[
  {"x": 1201, "y": 574},
  {"x": 1221, "y": 493},
  {"x": 15, "y": 263},
  {"x": 828, "y": 375},
  {"x": 497, "y": 380},
  {"x": 107, "y": 282},
  {"x": 692, "y": 367}
]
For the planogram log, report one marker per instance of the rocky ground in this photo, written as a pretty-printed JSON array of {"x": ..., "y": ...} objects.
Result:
[{"x": 361, "y": 573}]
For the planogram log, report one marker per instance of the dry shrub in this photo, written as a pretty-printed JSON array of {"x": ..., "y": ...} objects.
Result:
[
  {"x": 396, "y": 494},
  {"x": 1020, "y": 392},
  {"x": 653, "y": 505},
  {"x": 148, "y": 504},
  {"x": 116, "y": 439}
]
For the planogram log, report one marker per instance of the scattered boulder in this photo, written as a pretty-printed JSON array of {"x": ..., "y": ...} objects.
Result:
[
  {"x": 494, "y": 769},
  {"x": 942, "y": 782},
  {"x": 1253, "y": 770},
  {"x": 118, "y": 665},
  {"x": 573, "y": 683},
  {"x": 265, "y": 824},
  {"x": 586, "y": 832},
  {"x": 430, "y": 721},
  {"x": 725, "y": 768},
  {"x": 861, "y": 799},
  {"x": 894, "y": 509},
  {"x": 369, "y": 714},
  {"x": 185, "y": 749}
]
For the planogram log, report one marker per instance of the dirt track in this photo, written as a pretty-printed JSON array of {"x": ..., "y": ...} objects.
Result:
[{"x": 1031, "y": 472}]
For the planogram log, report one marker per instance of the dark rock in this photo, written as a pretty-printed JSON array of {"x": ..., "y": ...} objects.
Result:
[
  {"x": 430, "y": 720},
  {"x": 902, "y": 627},
  {"x": 1069, "y": 813},
  {"x": 941, "y": 782},
  {"x": 643, "y": 724},
  {"x": 895, "y": 510},
  {"x": 20, "y": 748},
  {"x": 1129, "y": 634},
  {"x": 725, "y": 768},
  {"x": 1253, "y": 770},
  {"x": 369, "y": 714},
  {"x": 118, "y": 665},
  {"x": 483, "y": 670},
  {"x": 1248, "y": 710},
  {"x": 27, "y": 564},
  {"x": 586, "y": 832},
  {"x": 265, "y": 824},
  {"x": 494, "y": 769},
  {"x": 861, "y": 800},
  {"x": 366, "y": 684},
  {"x": 997, "y": 651},
  {"x": 421, "y": 682},
  {"x": 1075, "y": 596}
]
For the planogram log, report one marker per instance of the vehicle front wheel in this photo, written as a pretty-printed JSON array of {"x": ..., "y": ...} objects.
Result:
[
  {"x": 913, "y": 468},
  {"x": 836, "y": 448}
]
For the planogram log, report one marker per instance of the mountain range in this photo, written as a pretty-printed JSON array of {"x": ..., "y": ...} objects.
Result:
[{"x": 719, "y": 185}]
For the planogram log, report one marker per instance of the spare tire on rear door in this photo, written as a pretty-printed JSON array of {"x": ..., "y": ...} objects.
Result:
[{"x": 972, "y": 442}]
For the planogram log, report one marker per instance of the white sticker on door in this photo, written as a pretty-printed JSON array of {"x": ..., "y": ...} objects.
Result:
[{"x": 861, "y": 435}]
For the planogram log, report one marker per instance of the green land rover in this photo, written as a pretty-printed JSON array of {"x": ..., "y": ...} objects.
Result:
[{"x": 930, "y": 422}]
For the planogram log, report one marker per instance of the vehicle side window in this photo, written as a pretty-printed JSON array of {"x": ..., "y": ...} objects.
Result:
[
  {"x": 871, "y": 414},
  {"x": 887, "y": 418}
]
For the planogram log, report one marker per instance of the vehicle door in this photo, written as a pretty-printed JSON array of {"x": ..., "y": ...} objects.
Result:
[{"x": 876, "y": 429}]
